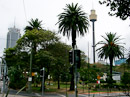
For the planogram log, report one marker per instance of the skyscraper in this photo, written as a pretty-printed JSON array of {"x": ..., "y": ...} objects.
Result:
[{"x": 12, "y": 37}]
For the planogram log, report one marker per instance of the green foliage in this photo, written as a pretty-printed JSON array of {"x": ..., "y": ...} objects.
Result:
[
  {"x": 73, "y": 20},
  {"x": 119, "y": 8},
  {"x": 126, "y": 78},
  {"x": 89, "y": 75},
  {"x": 34, "y": 24},
  {"x": 39, "y": 38},
  {"x": 17, "y": 79},
  {"x": 10, "y": 56},
  {"x": 111, "y": 48}
]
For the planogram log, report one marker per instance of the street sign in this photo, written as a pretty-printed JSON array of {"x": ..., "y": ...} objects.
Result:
[
  {"x": 29, "y": 78},
  {"x": 98, "y": 81},
  {"x": 98, "y": 77}
]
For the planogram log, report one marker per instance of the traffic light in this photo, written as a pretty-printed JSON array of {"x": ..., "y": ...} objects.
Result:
[
  {"x": 71, "y": 57},
  {"x": 77, "y": 58},
  {"x": 41, "y": 73},
  {"x": 71, "y": 71}
]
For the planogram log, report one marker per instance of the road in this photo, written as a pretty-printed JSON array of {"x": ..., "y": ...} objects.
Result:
[{"x": 25, "y": 94}]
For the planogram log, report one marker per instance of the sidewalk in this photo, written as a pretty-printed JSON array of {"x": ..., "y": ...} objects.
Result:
[
  {"x": 12, "y": 93},
  {"x": 106, "y": 94}
]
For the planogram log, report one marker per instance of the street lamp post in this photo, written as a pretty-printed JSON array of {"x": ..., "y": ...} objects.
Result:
[
  {"x": 30, "y": 73},
  {"x": 93, "y": 18},
  {"x": 43, "y": 74}
]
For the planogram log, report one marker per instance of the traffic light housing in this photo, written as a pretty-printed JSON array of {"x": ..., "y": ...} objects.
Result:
[
  {"x": 77, "y": 58},
  {"x": 70, "y": 57},
  {"x": 71, "y": 70}
]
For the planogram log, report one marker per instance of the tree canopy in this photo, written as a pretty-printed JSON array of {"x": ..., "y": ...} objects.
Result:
[
  {"x": 73, "y": 21},
  {"x": 118, "y": 8},
  {"x": 111, "y": 48}
]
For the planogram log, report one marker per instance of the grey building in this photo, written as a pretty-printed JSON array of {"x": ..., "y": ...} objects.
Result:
[{"x": 12, "y": 37}]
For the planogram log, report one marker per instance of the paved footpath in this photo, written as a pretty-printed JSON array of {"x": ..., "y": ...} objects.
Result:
[
  {"x": 102, "y": 94},
  {"x": 12, "y": 93}
]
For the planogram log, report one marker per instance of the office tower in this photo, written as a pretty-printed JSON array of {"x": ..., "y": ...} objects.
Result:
[{"x": 12, "y": 37}]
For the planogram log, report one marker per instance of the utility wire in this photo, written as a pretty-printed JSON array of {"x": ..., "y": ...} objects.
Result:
[{"x": 24, "y": 10}]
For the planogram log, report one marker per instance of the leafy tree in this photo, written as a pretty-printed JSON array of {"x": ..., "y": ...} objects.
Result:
[
  {"x": 72, "y": 22},
  {"x": 33, "y": 24},
  {"x": 83, "y": 59},
  {"x": 10, "y": 57},
  {"x": 126, "y": 80},
  {"x": 41, "y": 38},
  {"x": 89, "y": 75},
  {"x": 45, "y": 59},
  {"x": 17, "y": 80},
  {"x": 111, "y": 49},
  {"x": 60, "y": 52},
  {"x": 119, "y": 8},
  {"x": 23, "y": 60}
]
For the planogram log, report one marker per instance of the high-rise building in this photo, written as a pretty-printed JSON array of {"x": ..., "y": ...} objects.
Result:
[{"x": 12, "y": 37}]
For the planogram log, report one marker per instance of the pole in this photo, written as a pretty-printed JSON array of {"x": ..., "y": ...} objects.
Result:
[
  {"x": 4, "y": 87},
  {"x": 43, "y": 81},
  {"x": 0, "y": 69},
  {"x": 75, "y": 73},
  {"x": 30, "y": 75},
  {"x": 66, "y": 85},
  {"x": 4, "y": 75},
  {"x": 93, "y": 42}
]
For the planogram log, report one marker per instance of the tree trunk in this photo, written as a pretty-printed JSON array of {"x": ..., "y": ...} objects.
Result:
[
  {"x": 111, "y": 64},
  {"x": 73, "y": 38},
  {"x": 58, "y": 82}
]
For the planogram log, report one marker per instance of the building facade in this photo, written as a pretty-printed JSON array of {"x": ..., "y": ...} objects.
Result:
[
  {"x": 120, "y": 61},
  {"x": 12, "y": 37}
]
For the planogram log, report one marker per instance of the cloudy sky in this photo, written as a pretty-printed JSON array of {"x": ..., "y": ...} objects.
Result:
[{"x": 18, "y": 12}]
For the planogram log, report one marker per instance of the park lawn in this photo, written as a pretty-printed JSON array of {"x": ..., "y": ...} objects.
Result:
[{"x": 53, "y": 88}]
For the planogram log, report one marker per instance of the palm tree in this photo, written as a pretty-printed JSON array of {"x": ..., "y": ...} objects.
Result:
[
  {"x": 34, "y": 24},
  {"x": 111, "y": 49},
  {"x": 72, "y": 22}
]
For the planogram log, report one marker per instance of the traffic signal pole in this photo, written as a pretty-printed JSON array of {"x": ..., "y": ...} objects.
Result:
[
  {"x": 74, "y": 58},
  {"x": 74, "y": 63}
]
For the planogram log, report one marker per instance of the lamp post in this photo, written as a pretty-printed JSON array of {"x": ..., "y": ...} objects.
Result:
[
  {"x": 30, "y": 73},
  {"x": 93, "y": 18},
  {"x": 42, "y": 75},
  {"x": 4, "y": 74}
]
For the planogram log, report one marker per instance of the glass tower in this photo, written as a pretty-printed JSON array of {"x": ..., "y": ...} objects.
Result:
[{"x": 12, "y": 37}]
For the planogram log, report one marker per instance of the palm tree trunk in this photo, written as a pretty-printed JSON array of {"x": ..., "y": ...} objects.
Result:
[
  {"x": 73, "y": 45},
  {"x": 111, "y": 64},
  {"x": 73, "y": 38}
]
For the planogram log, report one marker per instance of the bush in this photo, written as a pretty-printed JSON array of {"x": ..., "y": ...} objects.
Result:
[
  {"x": 17, "y": 79},
  {"x": 18, "y": 84}
]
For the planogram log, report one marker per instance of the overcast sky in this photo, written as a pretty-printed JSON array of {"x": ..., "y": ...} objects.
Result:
[{"x": 18, "y": 12}]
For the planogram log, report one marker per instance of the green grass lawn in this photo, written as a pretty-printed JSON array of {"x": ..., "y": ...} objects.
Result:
[{"x": 53, "y": 88}]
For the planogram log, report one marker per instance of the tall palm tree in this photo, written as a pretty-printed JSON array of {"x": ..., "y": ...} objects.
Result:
[
  {"x": 72, "y": 22},
  {"x": 111, "y": 49},
  {"x": 34, "y": 24}
]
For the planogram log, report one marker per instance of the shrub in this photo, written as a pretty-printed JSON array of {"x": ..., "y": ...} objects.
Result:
[{"x": 17, "y": 79}]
